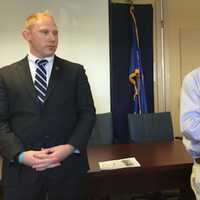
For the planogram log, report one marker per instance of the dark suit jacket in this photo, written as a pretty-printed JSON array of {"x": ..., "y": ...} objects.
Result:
[{"x": 66, "y": 117}]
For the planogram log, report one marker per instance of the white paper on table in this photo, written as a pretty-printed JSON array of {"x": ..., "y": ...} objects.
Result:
[{"x": 120, "y": 163}]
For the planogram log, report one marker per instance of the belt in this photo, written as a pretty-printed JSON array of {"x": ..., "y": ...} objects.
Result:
[{"x": 197, "y": 160}]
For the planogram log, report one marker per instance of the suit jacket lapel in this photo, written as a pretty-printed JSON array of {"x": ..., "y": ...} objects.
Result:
[
  {"x": 26, "y": 79},
  {"x": 54, "y": 76}
]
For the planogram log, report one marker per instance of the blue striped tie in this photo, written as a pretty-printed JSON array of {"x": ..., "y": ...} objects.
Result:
[{"x": 41, "y": 80}]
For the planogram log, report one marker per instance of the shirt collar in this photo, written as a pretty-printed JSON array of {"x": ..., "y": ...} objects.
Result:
[{"x": 33, "y": 58}]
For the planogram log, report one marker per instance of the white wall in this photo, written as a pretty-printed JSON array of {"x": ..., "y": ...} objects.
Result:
[
  {"x": 181, "y": 27},
  {"x": 83, "y": 32}
]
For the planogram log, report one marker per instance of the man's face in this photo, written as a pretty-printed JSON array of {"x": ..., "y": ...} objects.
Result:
[{"x": 42, "y": 37}]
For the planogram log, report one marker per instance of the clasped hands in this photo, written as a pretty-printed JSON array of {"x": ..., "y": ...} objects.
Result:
[{"x": 47, "y": 157}]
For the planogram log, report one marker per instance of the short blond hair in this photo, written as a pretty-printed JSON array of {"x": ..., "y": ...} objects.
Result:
[{"x": 30, "y": 20}]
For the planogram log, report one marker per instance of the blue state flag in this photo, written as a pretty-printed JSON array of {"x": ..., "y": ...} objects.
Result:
[{"x": 136, "y": 77}]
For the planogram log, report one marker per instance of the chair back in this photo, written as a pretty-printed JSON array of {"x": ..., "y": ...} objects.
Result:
[
  {"x": 150, "y": 127},
  {"x": 103, "y": 130}
]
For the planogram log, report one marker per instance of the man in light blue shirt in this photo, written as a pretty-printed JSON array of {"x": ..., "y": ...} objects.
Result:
[{"x": 190, "y": 123}]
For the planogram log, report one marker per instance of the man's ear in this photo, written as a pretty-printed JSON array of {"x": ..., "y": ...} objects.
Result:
[{"x": 26, "y": 34}]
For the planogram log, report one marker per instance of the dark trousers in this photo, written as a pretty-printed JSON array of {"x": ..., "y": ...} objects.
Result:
[{"x": 71, "y": 188}]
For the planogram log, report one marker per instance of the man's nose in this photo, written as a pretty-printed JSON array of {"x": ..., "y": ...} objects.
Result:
[{"x": 52, "y": 37}]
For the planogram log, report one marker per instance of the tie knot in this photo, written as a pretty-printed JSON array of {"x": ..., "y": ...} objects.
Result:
[{"x": 41, "y": 63}]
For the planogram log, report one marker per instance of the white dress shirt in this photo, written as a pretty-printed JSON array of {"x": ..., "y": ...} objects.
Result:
[
  {"x": 190, "y": 112},
  {"x": 33, "y": 66}
]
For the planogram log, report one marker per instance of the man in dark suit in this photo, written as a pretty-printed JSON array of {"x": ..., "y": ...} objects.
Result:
[{"x": 46, "y": 117}]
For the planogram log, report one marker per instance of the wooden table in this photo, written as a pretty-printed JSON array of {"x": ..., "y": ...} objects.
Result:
[{"x": 164, "y": 165}]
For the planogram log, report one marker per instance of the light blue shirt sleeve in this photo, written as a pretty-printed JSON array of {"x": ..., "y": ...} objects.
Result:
[{"x": 190, "y": 112}]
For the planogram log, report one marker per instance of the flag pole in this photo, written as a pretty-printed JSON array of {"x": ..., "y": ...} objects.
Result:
[
  {"x": 136, "y": 77},
  {"x": 137, "y": 89}
]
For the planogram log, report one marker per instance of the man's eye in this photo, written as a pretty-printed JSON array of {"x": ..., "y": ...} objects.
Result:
[
  {"x": 55, "y": 33},
  {"x": 44, "y": 32}
]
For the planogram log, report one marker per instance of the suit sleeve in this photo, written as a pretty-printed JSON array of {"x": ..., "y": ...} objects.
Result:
[
  {"x": 86, "y": 112},
  {"x": 10, "y": 145}
]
